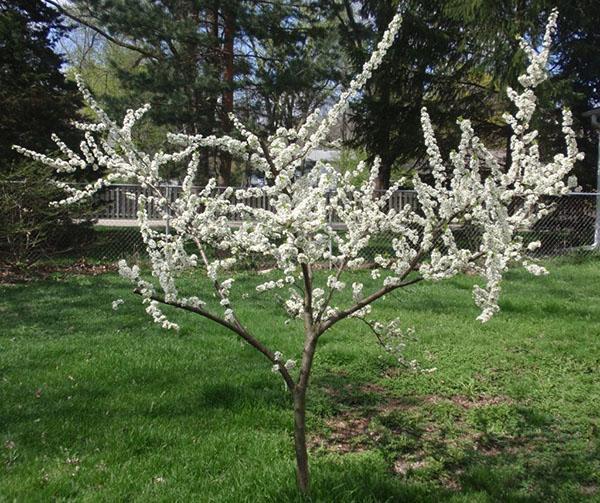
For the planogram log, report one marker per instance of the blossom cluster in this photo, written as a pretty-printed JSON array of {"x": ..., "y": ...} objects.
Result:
[{"x": 296, "y": 232}]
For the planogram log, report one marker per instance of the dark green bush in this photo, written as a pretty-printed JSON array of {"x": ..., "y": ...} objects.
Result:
[{"x": 30, "y": 228}]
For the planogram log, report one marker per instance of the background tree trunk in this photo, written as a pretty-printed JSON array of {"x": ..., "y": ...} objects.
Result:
[{"x": 228, "y": 42}]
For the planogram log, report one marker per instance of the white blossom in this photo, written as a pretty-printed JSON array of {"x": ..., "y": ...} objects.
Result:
[
  {"x": 357, "y": 291},
  {"x": 117, "y": 303},
  {"x": 295, "y": 231},
  {"x": 229, "y": 316},
  {"x": 535, "y": 269}
]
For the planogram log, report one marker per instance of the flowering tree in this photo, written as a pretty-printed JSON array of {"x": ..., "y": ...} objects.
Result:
[{"x": 471, "y": 187}]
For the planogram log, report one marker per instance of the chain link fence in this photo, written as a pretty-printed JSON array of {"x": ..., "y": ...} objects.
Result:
[
  {"x": 573, "y": 227},
  {"x": 570, "y": 228}
]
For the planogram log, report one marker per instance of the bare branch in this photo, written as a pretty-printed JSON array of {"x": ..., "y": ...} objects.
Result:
[{"x": 237, "y": 328}]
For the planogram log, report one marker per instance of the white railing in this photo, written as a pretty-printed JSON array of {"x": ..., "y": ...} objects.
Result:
[{"x": 119, "y": 202}]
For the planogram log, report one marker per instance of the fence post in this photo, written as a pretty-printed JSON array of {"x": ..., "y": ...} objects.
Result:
[
  {"x": 594, "y": 116},
  {"x": 597, "y": 224},
  {"x": 117, "y": 203}
]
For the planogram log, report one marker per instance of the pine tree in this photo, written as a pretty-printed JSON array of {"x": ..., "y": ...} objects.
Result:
[
  {"x": 429, "y": 66},
  {"x": 35, "y": 99},
  {"x": 198, "y": 61},
  {"x": 457, "y": 57},
  {"x": 574, "y": 78}
]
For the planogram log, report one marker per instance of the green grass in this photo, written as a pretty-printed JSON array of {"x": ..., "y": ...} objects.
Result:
[{"x": 97, "y": 405}]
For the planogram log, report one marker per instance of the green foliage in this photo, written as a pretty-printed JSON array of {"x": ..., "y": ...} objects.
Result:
[
  {"x": 575, "y": 80},
  {"x": 105, "y": 406},
  {"x": 35, "y": 99},
  {"x": 32, "y": 229},
  {"x": 430, "y": 64},
  {"x": 456, "y": 57},
  {"x": 178, "y": 57},
  {"x": 289, "y": 80},
  {"x": 349, "y": 159}
]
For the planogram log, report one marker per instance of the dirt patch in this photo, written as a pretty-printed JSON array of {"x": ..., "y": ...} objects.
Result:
[
  {"x": 348, "y": 432},
  {"x": 352, "y": 429},
  {"x": 360, "y": 428},
  {"x": 9, "y": 275},
  {"x": 470, "y": 402},
  {"x": 589, "y": 490},
  {"x": 373, "y": 388}
]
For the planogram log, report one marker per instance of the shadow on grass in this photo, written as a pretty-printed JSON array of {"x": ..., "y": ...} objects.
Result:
[
  {"x": 425, "y": 448},
  {"x": 364, "y": 478},
  {"x": 435, "y": 448}
]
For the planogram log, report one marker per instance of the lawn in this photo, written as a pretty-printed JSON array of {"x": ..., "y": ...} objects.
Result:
[{"x": 98, "y": 405}]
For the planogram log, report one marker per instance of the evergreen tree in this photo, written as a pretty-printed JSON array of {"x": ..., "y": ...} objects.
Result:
[
  {"x": 197, "y": 60},
  {"x": 457, "y": 57},
  {"x": 35, "y": 99},
  {"x": 428, "y": 66},
  {"x": 574, "y": 79},
  {"x": 293, "y": 72}
]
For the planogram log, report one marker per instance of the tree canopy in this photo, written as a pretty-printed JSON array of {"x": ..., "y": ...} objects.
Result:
[
  {"x": 196, "y": 61},
  {"x": 272, "y": 62}
]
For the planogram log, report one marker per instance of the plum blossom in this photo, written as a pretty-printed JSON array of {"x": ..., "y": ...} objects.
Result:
[{"x": 117, "y": 303}]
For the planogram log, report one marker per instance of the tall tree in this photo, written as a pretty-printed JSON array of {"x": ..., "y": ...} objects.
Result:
[
  {"x": 31, "y": 82},
  {"x": 35, "y": 101},
  {"x": 198, "y": 60},
  {"x": 428, "y": 67},
  {"x": 574, "y": 77},
  {"x": 293, "y": 72},
  {"x": 457, "y": 58}
]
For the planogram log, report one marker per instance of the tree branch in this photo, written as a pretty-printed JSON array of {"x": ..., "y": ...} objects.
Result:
[
  {"x": 331, "y": 291},
  {"x": 238, "y": 329},
  {"x": 102, "y": 32},
  {"x": 308, "y": 309},
  {"x": 366, "y": 301}
]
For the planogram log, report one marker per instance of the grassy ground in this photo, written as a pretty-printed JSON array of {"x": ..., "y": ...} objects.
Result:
[{"x": 103, "y": 406}]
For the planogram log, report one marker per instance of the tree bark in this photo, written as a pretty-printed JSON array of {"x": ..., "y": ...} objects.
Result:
[
  {"x": 302, "y": 472},
  {"x": 382, "y": 182},
  {"x": 310, "y": 345},
  {"x": 299, "y": 394},
  {"x": 228, "y": 74},
  {"x": 385, "y": 169}
]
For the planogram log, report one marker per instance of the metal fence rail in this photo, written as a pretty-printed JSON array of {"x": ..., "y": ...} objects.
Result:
[{"x": 570, "y": 228}]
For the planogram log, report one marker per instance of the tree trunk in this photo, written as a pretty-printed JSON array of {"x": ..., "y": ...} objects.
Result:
[
  {"x": 385, "y": 170},
  {"x": 508, "y": 158},
  {"x": 382, "y": 182},
  {"x": 228, "y": 74},
  {"x": 302, "y": 473},
  {"x": 310, "y": 345}
]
